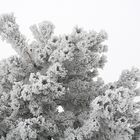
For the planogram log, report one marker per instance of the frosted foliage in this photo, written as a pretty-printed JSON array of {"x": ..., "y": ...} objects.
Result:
[
  {"x": 43, "y": 32},
  {"x": 51, "y": 89},
  {"x": 129, "y": 78}
]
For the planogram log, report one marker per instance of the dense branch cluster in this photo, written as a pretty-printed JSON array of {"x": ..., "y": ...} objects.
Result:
[{"x": 54, "y": 71}]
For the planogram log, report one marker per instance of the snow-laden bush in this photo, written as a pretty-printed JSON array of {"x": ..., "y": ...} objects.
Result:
[{"x": 55, "y": 72}]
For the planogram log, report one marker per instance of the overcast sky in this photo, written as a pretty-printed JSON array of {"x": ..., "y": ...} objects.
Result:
[{"x": 120, "y": 19}]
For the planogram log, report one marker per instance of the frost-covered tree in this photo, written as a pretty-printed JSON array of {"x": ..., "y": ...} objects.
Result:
[{"x": 62, "y": 71}]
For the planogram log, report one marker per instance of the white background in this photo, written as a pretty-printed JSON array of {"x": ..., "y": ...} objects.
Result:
[{"x": 120, "y": 19}]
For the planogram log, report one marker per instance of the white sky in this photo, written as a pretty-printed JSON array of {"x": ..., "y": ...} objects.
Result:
[{"x": 120, "y": 18}]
